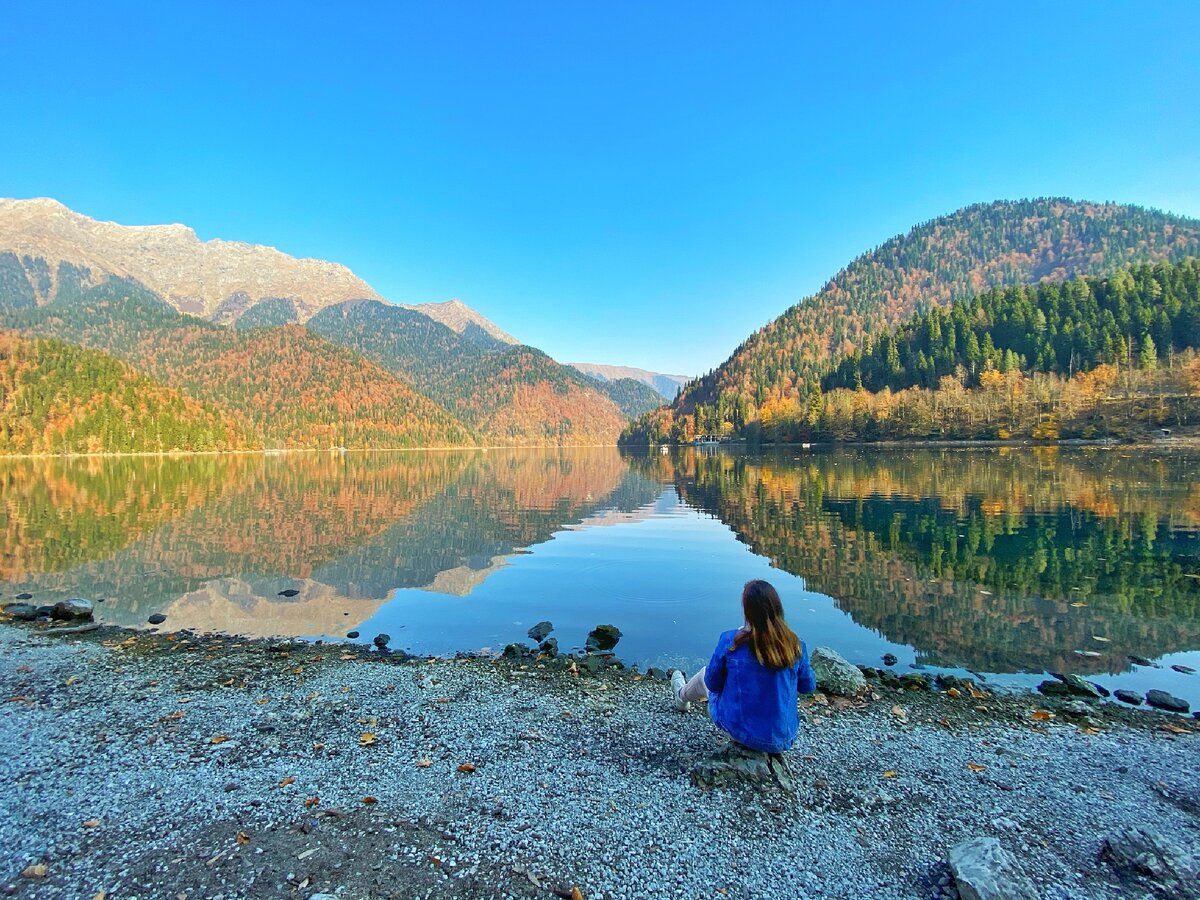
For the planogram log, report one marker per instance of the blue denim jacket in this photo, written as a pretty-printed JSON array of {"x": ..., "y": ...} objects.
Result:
[{"x": 756, "y": 705}]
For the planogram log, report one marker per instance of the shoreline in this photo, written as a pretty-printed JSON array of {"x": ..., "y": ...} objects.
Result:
[{"x": 214, "y": 765}]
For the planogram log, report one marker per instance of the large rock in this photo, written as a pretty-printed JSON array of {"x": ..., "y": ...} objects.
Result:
[
  {"x": 1078, "y": 687},
  {"x": 835, "y": 674},
  {"x": 539, "y": 631},
  {"x": 983, "y": 870},
  {"x": 1169, "y": 702},
  {"x": 1147, "y": 859},
  {"x": 75, "y": 609},
  {"x": 25, "y": 612},
  {"x": 602, "y": 637},
  {"x": 737, "y": 764}
]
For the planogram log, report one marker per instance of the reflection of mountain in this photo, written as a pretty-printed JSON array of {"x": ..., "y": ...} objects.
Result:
[
  {"x": 213, "y": 540},
  {"x": 977, "y": 557}
]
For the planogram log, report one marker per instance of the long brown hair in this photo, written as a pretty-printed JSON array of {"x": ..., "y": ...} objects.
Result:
[{"x": 775, "y": 645}]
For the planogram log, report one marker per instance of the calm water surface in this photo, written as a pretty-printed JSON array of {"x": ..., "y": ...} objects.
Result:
[{"x": 1009, "y": 563}]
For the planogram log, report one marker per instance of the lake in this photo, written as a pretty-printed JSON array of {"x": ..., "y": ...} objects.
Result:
[{"x": 1005, "y": 562}]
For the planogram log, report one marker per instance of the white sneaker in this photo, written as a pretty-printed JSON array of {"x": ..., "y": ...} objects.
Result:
[{"x": 677, "y": 684}]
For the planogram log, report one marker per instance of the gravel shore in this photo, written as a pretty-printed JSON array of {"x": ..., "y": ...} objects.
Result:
[{"x": 143, "y": 765}]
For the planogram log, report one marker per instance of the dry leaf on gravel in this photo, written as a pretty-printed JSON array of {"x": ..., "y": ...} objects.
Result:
[
  {"x": 38, "y": 870},
  {"x": 954, "y": 692},
  {"x": 242, "y": 838},
  {"x": 366, "y": 738},
  {"x": 1173, "y": 728},
  {"x": 1041, "y": 715},
  {"x": 976, "y": 767},
  {"x": 219, "y": 739},
  {"x": 424, "y": 763},
  {"x": 92, "y": 823},
  {"x": 890, "y": 773},
  {"x": 369, "y": 800},
  {"x": 287, "y": 781},
  {"x": 976, "y": 693},
  {"x": 312, "y": 801},
  {"x": 467, "y": 767},
  {"x": 900, "y": 713}
]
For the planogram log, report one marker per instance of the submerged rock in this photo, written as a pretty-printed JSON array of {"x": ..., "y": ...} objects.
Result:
[
  {"x": 26, "y": 612},
  {"x": 602, "y": 637},
  {"x": 737, "y": 764},
  {"x": 381, "y": 640},
  {"x": 1186, "y": 670},
  {"x": 889, "y": 659},
  {"x": 983, "y": 870},
  {"x": 25, "y": 596},
  {"x": 352, "y": 634},
  {"x": 1142, "y": 661},
  {"x": 1078, "y": 687},
  {"x": 835, "y": 674},
  {"x": 1131, "y": 697},
  {"x": 539, "y": 631},
  {"x": 73, "y": 609},
  {"x": 290, "y": 592},
  {"x": 1152, "y": 861},
  {"x": 1163, "y": 700},
  {"x": 157, "y": 619}
]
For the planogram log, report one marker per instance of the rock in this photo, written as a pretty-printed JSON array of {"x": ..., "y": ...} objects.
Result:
[
  {"x": 381, "y": 640},
  {"x": 539, "y": 631},
  {"x": 75, "y": 608},
  {"x": 889, "y": 659},
  {"x": 869, "y": 671},
  {"x": 658, "y": 674},
  {"x": 1163, "y": 700},
  {"x": 946, "y": 681},
  {"x": 1142, "y": 661},
  {"x": 549, "y": 647},
  {"x": 591, "y": 664},
  {"x": 602, "y": 637},
  {"x": 737, "y": 764},
  {"x": 1149, "y": 860},
  {"x": 518, "y": 651},
  {"x": 25, "y": 596},
  {"x": 352, "y": 634},
  {"x": 1054, "y": 689},
  {"x": 916, "y": 681},
  {"x": 835, "y": 675},
  {"x": 26, "y": 612},
  {"x": 1078, "y": 687},
  {"x": 157, "y": 619},
  {"x": 1131, "y": 697},
  {"x": 983, "y": 870},
  {"x": 290, "y": 592},
  {"x": 1186, "y": 670}
]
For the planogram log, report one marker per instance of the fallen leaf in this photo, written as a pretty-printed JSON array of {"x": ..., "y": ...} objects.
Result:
[
  {"x": 318, "y": 746},
  {"x": 576, "y": 893},
  {"x": 70, "y": 681},
  {"x": 173, "y": 717},
  {"x": 287, "y": 781},
  {"x": 954, "y": 692},
  {"x": 1103, "y": 640},
  {"x": 890, "y": 773},
  {"x": 1079, "y": 605},
  {"x": 366, "y": 738},
  {"x": 345, "y": 690},
  {"x": 945, "y": 723},
  {"x": 24, "y": 669},
  {"x": 900, "y": 713},
  {"x": 1173, "y": 728},
  {"x": 38, "y": 870},
  {"x": 976, "y": 693},
  {"x": 467, "y": 767},
  {"x": 1090, "y": 731},
  {"x": 424, "y": 763},
  {"x": 369, "y": 800},
  {"x": 348, "y": 656},
  {"x": 92, "y": 823},
  {"x": 101, "y": 896},
  {"x": 1041, "y": 715},
  {"x": 312, "y": 801},
  {"x": 219, "y": 739},
  {"x": 242, "y": 837},
  {"x": 976, "y": 767},
  {"x": 263, "y": 701}
]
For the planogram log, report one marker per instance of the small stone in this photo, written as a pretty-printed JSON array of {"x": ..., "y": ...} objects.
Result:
[
  {"x": 1163, "y": 700},
  {"x": 381, "y": 641},
  {"x": 1131, "y": 697},
  {"x": 25, "y": 596},
  {"x": 539, "y": 631},
  {"x": 835, "y": 674},
  {"x": 1142, "y": 661},
  {"x": 290, "y": 592},
  {"x": 890, "y": 659},
  {"x": 352, "y": 634},
  {"x": 657, "y": 674},
  {"x": 916, "y": 681},
  {"x": 517, "y": 651},
  {"x": 1186, "y": 670},
  {"x": 983, "y": 870},
  {"x": 157, "y": 619},
  {"x": 231, "y": 787},
  {"x": 602, "y": 637}
]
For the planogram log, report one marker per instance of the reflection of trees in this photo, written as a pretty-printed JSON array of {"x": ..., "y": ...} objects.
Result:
[
  {"x": 359, "y": 524},
  {"x": 977, "y": 557}
]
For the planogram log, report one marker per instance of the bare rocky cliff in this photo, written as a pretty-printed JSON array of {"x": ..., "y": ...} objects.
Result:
[{"x": 213, "y": 279}]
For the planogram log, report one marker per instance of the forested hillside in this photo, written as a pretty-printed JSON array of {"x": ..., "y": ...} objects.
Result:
[
  {"x": 59, "y": 398},
  {"x": 508, "y": 393},
  {"x": 952, "y": 257},
  {"x": 287, "y": 386},
  {"x": 632, "y": 397}
]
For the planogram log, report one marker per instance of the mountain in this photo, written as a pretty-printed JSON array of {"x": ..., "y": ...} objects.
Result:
[
  {"x": 461, "y": 319},
  {"x": 666, "y": 385},
  {"x": 287, "y": 386},
  {"x": 213, "y": 279},
  {"x": 511, "y": 394},
  {"x": 631, "y": 396},
  {"x": 951, "y": 257},
  {"x": 59, "y": 398}
]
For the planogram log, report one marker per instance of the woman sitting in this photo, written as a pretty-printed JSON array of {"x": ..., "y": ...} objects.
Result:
[{"x": 754, "y": 676}]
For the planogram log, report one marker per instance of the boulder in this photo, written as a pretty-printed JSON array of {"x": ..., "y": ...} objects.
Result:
[
  {"x": 518, "y": 651},
  {"x": 1144, "y": 858},
  {"x": 658, "y": 674},
  {"x": 1182, "y": 669},
  {"x": 1169, "y": 702},
  {"x": 889, "y": 659},
  {"x": 550, "y": 647},
  {"x": 381, "y": 641},
  {"x": 835, "y": 674},
  {"x": 1131, "y": 697},
  {"x": 157, "y": 619},
  {"x": 916, "y": 681},
  {"x": 539, "y": 631},
  {"x": 1053, "y": 688},
  {"x": 1078, "y": 687},
  {"x": 73, "y": 610},
  {"x": 352, "y": 634},
  {"x": 602, "y": 637},
  {"x": 735, "y": 764},
  {"x": 26, "y": 612},
  {"x": 983, "y": 870}
]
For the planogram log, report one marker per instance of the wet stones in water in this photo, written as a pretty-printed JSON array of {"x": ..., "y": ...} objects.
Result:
[
  {"x": 539, "y": 631},
  {"x": 518, "y": 651},
  {"x": 25, "y": 596},
  {"x": 157, "y": 619},
  {"x": 352, "y": 634},
  {"x": 1131, "y": 697},
  {"x": 889, "y": 659},
  {"x": 75, "y": 609},
  {"x": 290, "y": 592},
  {"x": 381, "y": 641},
  {"x": 25, "y": 612},
  {"x": 736, "y": 764},
  {"x": 835, "y": 674},
  {"x": 1077, "y": 687},
  {"x": 602, "y": 637},
  {"x": 1142, "y": 661},
  {"x": 983, "y": 870},
  {"x": 549, "y": 647},
  {"x": 1144, "y": 858},
  {"x": 1163, "y": 700},
  {"x": 916, "y": 681},
  {"x": 1186, "y": 670},
  {"x": 657, "y": 674}
]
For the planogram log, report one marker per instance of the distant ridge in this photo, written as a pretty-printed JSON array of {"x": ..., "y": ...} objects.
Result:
[
  {"x": 666, "y": 385},
  {"x": 457, "y": 316}
]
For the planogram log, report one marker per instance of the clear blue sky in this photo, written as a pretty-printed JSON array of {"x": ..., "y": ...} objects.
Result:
[{"x": 641, "y": 183}]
